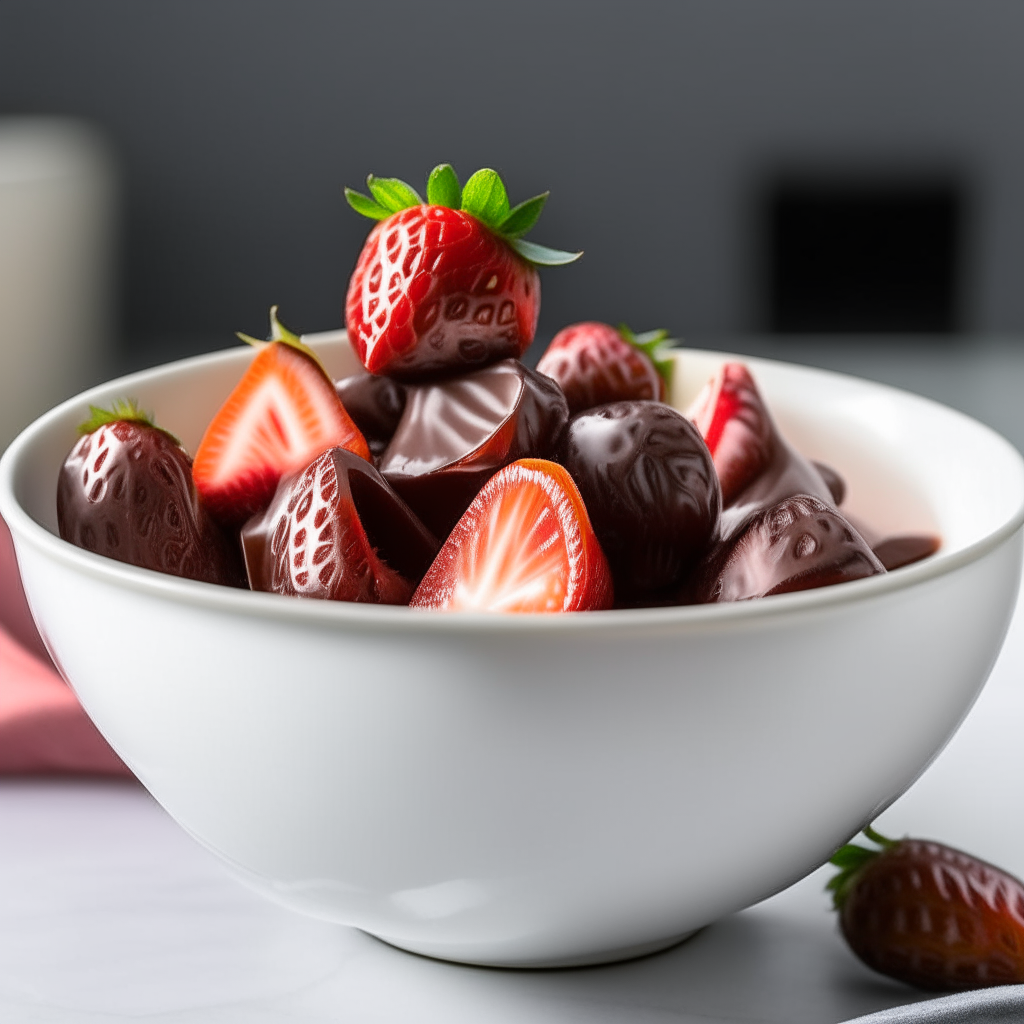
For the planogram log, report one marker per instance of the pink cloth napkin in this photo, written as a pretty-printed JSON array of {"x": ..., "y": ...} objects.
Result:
[{"x": 43, "y": 728}]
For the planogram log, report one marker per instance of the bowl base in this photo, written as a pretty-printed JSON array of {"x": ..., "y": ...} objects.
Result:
[{"x": 606, "y": 956}]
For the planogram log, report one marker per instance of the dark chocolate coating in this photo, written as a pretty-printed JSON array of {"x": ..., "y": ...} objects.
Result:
[
  {"x": 456, "y": 434},
  {"x": 650, "y": 488},
  {"x": 125, "y": 491},
  {"x": 797, "y": 544},
  {"x": 375, "y": 405},
  {"x": 336, "y": 531},
  {"x": 833, "y": 481},
  {"x": 786, "y": 475},
  {"x": 896, "y": 552}
]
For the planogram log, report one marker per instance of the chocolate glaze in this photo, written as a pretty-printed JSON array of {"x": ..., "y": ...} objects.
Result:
[
  {"x": 786, "y": 475},
  {"x": 455, "y": 435},
  {"x": 833, "y": 481},
  {"x": 797, "y": 544},
  {"x": 375, "y": 405},
  {"x": 650, "y": 488},
  {"x": 125, "y": 491},
  {"x": 336, "y": 531},
  {"x": 896, "y": 552}
]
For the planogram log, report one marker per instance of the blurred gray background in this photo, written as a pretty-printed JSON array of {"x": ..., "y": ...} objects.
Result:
[{"x": 716, "y": 160}]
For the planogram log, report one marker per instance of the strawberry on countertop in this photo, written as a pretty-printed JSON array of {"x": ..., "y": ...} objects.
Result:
[
  {"x": 930, "y": 915},
  {"x": 125, "y": 491},
  {"x": 525, "y": 544},
  {"x": 282, "y": 414},
  {"x": 445, "y": 285},
  {"x": 594, "y": 363}
]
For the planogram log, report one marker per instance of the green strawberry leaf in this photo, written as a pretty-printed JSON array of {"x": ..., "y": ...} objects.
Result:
[
  {"x": 393, "y": 194},
  {"x": 542, "y": 255},
  {"x": 278, "y": 332},
  {"x": 443, "y": 188},
  {"x": 655, "y": 345},
  {"x": 485, "y": 198},
  {"x": 365, "y": 205},
  {"x": 850, "y": 859},
  {"x": 522, "y": 217},
  {"x": 120, "y": 409}
]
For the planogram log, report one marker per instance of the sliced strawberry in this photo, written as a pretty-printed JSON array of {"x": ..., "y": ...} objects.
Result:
[
  {"x": 336, "y": 531},
  {"x": 756, "y": 466},
  {"x": 282, "y": 414},
  {"x": 594, "y": 363},
  {"x": 736, "y": 426},
  {"x": 525, "y": 544}
]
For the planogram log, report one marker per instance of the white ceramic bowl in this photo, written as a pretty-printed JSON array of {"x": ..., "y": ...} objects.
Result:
[{"x": 540, "y": 790}]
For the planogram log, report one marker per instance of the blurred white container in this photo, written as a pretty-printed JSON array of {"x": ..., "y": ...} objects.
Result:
[{"x": 57, "y": 209}]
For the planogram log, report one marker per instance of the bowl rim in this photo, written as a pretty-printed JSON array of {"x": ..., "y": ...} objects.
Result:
[{"x": 388, "y": 618}]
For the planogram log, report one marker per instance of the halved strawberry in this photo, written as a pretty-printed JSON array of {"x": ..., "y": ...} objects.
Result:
[
  {"x": 281, "y": 415},
  {"x": 594, "y": 363},
  {"x": 756, "y": 466},
  {"x": 525, "y": 544},
  {"x": 736, "y": 426},
  {"x": 336, "y": 531}
]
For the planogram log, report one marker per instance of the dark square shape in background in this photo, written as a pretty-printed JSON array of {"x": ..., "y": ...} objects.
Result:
[{"x": 848, "y": 256}]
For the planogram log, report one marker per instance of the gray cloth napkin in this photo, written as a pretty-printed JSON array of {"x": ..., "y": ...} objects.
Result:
[{"x": 1002, "y": 1005}]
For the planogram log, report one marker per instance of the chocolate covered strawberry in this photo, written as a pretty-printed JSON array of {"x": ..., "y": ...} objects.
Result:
[
  {"x": 930, "y": 915},
  {"x": 375, "y": 405},
  {"x": 595, "y": 363},
  {"x": 757, "y": 467},
  {"x": 449, "y": 284},
  {"x": 650, "y": 488},
  {"x": 524, "y": 545},
  {"x": 280, "y": 416},
  {"x": 337, "y": 532},
  {"x": 455, "y": 434},
  {"x": 125, "y": 491},
  {"x": 797, "y": 544}
]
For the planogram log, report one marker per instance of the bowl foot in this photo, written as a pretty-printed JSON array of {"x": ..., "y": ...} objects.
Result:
[{"x": 606, "y": 956}]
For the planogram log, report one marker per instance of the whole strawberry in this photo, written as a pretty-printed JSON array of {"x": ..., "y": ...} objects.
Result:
[
  {"x": 125, "y": 491},
  {"x": 594, "y": 363},
  {"x": 930, "y": 915},
  {"x": 445, "y": 285}
]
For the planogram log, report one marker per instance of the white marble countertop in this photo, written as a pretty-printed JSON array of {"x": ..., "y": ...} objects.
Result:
[{"x": 110, "y": 913}]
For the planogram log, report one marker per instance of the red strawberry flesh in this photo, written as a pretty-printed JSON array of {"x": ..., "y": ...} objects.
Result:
[
  {"x": 757, "y": 467},
  {"x": 280, "y": 416},
  {"x": 524, "y": 545},
  {"x": 336, "y": 531}
]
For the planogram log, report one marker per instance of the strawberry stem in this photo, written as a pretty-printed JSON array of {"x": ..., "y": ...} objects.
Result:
[
  {"x": 851, "y": 859},
  {"x": 483, "y": 197},
  {"x": 655, "y": 345},
  {"x": 278, "y": 332},
  {"x": 120, "y": 409}
]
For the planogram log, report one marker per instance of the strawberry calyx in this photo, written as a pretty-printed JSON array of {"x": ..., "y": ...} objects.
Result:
[
  {"x": 656, "y": 345},
  {"x": 278, "y": 332},
  {"x": 483, "y": 197},
  {"x": 851, "y": 859},
  {"x": 120, "y": 409}
]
